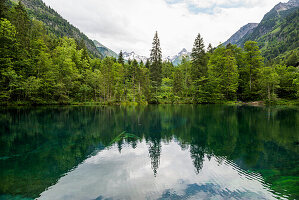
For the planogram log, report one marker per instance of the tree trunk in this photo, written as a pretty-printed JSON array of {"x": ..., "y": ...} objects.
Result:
[
  {"x": 250, "y": 80},
  {"x": 269, "y": 93}
]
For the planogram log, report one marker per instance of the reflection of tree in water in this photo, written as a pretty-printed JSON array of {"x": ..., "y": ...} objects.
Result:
[
  {"x": 154, "y": 153},
  {"x": 54, "y": 140},
  {"x": 119, "y": 145},
  {"x": 197, "y": 155}
]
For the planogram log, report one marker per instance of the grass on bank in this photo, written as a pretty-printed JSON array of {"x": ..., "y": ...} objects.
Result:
[{"x": 285, "y": 102}]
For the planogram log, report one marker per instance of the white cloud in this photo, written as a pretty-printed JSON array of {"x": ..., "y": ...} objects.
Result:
[
  {"x": 111, "y": 175},
  {"x": 130, "y": 25}
]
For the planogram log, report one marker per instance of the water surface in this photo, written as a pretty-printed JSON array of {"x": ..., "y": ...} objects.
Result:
[{"x": 152, "y": 152}]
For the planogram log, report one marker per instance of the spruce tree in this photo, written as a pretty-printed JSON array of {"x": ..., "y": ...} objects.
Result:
[
  {"x": 147, "y": 64},
  {"x": 121, "y": 58},
  {"x": 210, "y": 48},
  {"x": 141, "y": 63},
  {"x": 156, "y": 63},
  {"x": 21, "y": 20},
  {"x": 198, "y": 68},
  {"x": 3, "y": 8},
  {"x": 199, "y": 61}
]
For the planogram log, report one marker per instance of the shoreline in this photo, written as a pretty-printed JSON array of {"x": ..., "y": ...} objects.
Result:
[{"x": 251, "y": 103}]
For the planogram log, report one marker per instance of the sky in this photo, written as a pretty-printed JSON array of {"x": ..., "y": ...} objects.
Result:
[
  {"x": 130, "y": 25},
  {"x": 113, "y": 175}
]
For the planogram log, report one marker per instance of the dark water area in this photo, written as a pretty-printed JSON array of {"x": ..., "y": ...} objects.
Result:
[{"x": 150, "y": 152}]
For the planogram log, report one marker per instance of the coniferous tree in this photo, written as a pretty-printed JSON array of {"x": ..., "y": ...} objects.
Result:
[
  {"x": 134, "y": 72},
  {"x": 3, "y": 8},
  {"x": 121, "y": 58},
  {"x": 8, "y": 76},
  {"x": 198, "y": 68},
  {"x": 22, "y": 23},
  {"x": 177, "y": 82},
  {"x": 37, "y": 67},
  {"x": 210, "y": 48},
  {"x": 82, "y": 46},
  {"x": 156, "y": 63},
  {"x": 141, "y": 63},
  {"x": 147, "y": 64},
  {"x": 199, "y": 61}
]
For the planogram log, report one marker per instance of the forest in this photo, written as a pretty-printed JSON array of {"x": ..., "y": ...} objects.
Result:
[{"x": 38, "y": 67}]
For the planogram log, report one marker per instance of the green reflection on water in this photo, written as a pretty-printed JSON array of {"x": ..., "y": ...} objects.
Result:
[{"x": 40, "y": 145}]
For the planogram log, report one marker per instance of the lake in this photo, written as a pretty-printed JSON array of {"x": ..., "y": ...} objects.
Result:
[{"x": 149, "y": 152}]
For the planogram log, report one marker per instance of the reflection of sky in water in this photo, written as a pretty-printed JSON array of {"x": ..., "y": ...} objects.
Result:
[{"x": 111, "y": 175}]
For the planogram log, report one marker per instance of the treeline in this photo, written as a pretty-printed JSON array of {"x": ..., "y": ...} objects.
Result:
[{"x": 37, "y": 67}]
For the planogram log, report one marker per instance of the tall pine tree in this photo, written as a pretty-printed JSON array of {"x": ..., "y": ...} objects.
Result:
[
  {"x": 199, "y": 60},
  {"x": 156, "y": 63},
  {"x": 121, "y": 58},
  {"x": 198, "y": 68},
  {"x": 22, "y": 22}
]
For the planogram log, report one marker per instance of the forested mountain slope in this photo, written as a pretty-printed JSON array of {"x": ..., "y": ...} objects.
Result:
[
  {"x": 277, "y": 33},
  {"x": 58, "y": 25}
]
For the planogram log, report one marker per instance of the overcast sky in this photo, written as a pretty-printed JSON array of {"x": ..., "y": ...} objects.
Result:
[{"x": 129, "y": 25}]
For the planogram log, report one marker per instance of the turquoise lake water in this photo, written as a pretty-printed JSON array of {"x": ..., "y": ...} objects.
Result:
[{"x": 149, "y": 152}]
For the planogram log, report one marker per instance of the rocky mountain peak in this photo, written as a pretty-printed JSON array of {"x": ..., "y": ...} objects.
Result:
[{"x": 248, "y": 28}]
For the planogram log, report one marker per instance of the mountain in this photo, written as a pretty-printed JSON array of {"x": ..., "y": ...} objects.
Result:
[
  {"x": 133, "y": 55},
  {"x": 277, "y": 33},
  {"x": 56, "y": 24},
  {"x": 247, "y": 29},
  {"x": 106, "y": 52},
  {"x": 272, "y": 19},
  {"x": 177, "y": 59}
]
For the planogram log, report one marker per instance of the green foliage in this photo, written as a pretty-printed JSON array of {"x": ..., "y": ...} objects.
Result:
[
  {"x": 198, "y": 67},
  {"x": 249, "y": 72},
  {"x": 223, "y": 71},
  {"x": 121, "y": 58},
  {"x": 199, "y": 61},
  {"x": 177, "y": 82},
  {"x": 58, "y": 26},
  {"x": 276, "y": 34},
  {"x": 3, "y": 8},
  {"x": 167, "y": 69},
  {"x": 286, "y": 76},
  {"x": 156, "y": 65},
  {"x": 37, "y": 67},
  {"x": 268, "y": 82}
]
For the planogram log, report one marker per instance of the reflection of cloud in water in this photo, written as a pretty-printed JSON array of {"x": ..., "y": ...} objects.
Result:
[{"x": 111, "y": 175}]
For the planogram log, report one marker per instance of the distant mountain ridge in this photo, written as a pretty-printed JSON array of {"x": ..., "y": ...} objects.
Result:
[
  {"x": 106, "y": 52},
  {"x": 247, "y": 29},
  {"x": 177, "y": 59},
  {"x": 272, "y": 19},
  {"x": 132, "y": 55},
  {"x": 277, "y": 32},
  {"x": 57, "y": 24}
]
